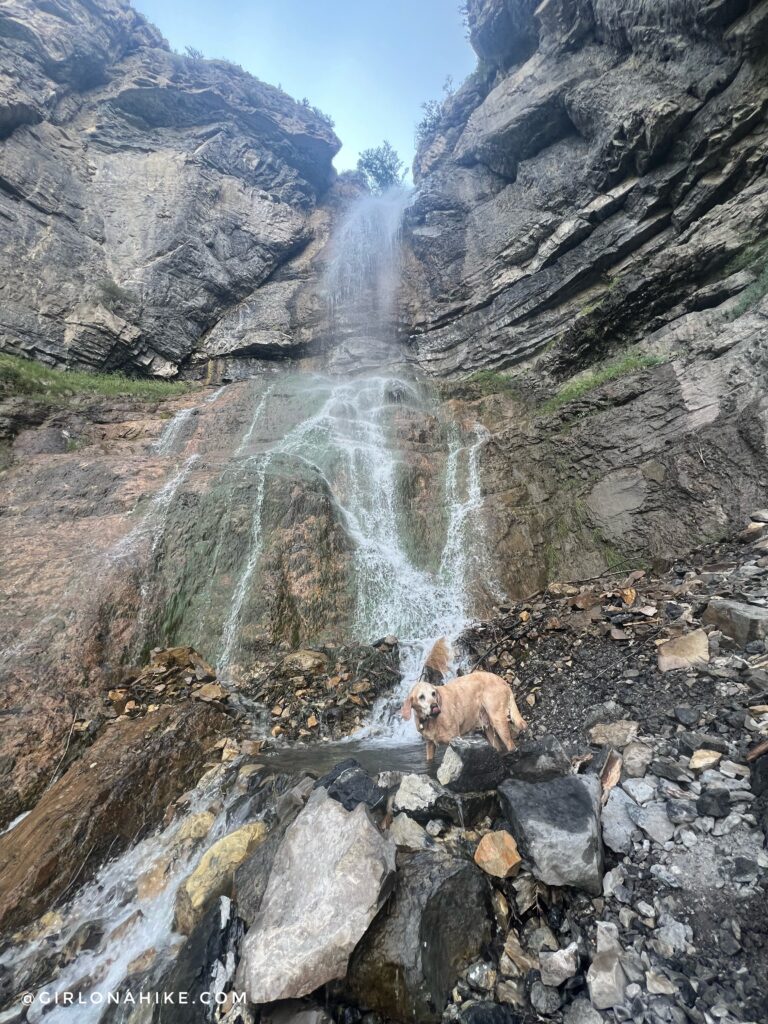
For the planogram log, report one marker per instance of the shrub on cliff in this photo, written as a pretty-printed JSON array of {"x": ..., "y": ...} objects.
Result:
[{"x": 382, "y": 167}]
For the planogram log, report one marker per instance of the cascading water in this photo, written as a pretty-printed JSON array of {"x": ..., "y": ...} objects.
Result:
[{"x": 351, "y": 438}]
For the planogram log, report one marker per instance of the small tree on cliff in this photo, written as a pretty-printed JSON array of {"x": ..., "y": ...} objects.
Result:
[{"x": 381, "y": 167}]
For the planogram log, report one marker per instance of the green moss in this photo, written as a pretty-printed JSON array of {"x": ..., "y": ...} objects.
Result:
[
  {"x": 593, "y": 379},
  {"x": 26, "y": 377}
]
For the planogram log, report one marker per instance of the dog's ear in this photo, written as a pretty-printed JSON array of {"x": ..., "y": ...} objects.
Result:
[
  {"x": 405, "y": 710},
  {"x": 438, "y": 691}
]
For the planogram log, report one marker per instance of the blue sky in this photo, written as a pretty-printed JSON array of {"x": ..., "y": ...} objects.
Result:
[{"x": 368, "y": 63}]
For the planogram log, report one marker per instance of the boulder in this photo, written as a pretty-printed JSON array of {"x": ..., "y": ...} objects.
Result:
[
  {"x": 214, "y": 874},
  {"x": 617, "y": 824},
  {"x": 687, "y": 651},
  {"x": 497, "y": 855},
  {"x": 424, "y": 799},
  {"x": 743, "y": 622},
  {"x": 252, "y": 876},
  {"x": 470, "y": 765},
  {"x": 436, "y": 924},
  {"x": 331, "y": 874},
  {"x": 538, "y": 760},
  {"x": 350, "y": 784},
  {"x": 557, "y": 827}
]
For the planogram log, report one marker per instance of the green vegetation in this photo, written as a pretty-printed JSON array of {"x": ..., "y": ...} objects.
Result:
[
  {"x": 479, "y": 384},
  {"x": 751, "y": 294},
  {"x": 592, "y": 379},
  {"x": 26, "y": 377},
  {"x": 381, "y": 167}
]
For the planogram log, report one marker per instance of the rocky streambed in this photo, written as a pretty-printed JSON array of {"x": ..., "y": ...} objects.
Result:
[{"x": 612, "y": 867}]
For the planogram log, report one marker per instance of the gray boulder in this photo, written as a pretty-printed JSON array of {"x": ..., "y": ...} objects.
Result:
[
  {"x": 330, "y": 860},
  {"x": 424, "y": 799},
  {"x": 435, "y": 925},
  {"x": 471, "y": 764},
  {"x": 743, "y": 622},
  {"x": 557, "y": 828},
  {"x": 618, "y": 826},
  {"x": 537, "y": 760}
]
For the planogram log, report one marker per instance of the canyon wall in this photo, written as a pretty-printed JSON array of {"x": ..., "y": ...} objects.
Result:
[
  {"x": 592, "y": 204},
  {"x": 144, "y": 195}
]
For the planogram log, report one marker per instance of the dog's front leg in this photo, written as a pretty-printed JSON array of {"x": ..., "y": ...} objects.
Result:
[{"x": 431, "y": 749}]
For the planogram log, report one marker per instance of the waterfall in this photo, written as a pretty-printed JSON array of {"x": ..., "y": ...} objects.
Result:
[{"x": 349, "y": 437}]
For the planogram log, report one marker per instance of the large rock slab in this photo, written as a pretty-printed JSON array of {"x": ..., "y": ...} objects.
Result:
[
  {"x": 121, "y": 787},
  {"x": 435, "y": 925},
  {"x": 329, "y": 878},
  {"x": 557, "y": 828},
  {"x": 743, "y": 622},
  {"x": 424, "y": 799}
]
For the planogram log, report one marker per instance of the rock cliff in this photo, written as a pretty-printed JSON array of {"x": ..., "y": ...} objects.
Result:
[
  {"x": 144, "y": 195},
  {"x": 592, "y": 208}
]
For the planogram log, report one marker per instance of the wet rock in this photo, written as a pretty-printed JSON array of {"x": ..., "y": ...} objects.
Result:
[
  {"x": 409, "y": 959},
  {"x": 558, "y": 967},
  {"x": 688, "y": 651},
  {"x": 204, "y": 964},
  {"x": 743, "y": 622},
  {"x": 424, "y": 799},
  {"x": 122, "y": 787},
  {"x": 556, "y": 825},
  {"x": 714, "y": 803},
  {"x": 298, "y": 939},
  {"x": 497, "y": 855},
  {"x": 214, "y": 874},
  {"x": 471, "y": 765},
  {"x": 350, "y": 784},
  {"x": 408, "y": 834},
  {"x": 617, "y": 825},
  {"x": 613, "y": 734},
  {"x": 538, "y": 760}
]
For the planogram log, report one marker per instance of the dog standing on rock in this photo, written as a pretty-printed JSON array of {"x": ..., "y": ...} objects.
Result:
[{"x": 479, "y": 700}]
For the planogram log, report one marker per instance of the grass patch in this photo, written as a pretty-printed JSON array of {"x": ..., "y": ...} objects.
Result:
[
  {"x": 479, "y": 384},
  {"x": 751, "y": 294},
  {"x": 592, "y": 379},
  {"x": 26, "y": 377}
]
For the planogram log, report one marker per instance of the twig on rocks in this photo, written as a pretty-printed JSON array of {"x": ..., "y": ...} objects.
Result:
[{"x": 66, "y": 748}]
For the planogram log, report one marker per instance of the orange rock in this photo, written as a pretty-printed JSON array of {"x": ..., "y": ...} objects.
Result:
[
  {"x": 312, "y": 722},
  {"x": 497, "y": 855}
]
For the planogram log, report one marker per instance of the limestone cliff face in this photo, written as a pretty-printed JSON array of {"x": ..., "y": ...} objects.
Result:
[
  {"x": 144, "y": 195},
  {"x": 596, "y": 192}
]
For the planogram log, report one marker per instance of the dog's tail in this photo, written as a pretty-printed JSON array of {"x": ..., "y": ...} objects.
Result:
[{"x": 438, "y": 660}]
